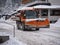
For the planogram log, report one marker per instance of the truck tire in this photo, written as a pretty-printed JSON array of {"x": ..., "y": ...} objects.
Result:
[
  {"x": 17, "y": 23},
  {"x": 22, "y": 27},
  {"x": 48, "y": 26},
  {"x": 37, "y": 28}
]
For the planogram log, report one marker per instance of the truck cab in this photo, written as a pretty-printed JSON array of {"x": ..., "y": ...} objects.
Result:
[{"x": 29, "y": 19}]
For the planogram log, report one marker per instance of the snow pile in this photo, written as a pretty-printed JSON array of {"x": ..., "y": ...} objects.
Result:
[
  {"x": 6, "y": 29},
  {"x": 7, "y": 26},
  {"x": 57, "y": 24},
  {"x": 7, "y": 23},
  {"x": 13, "y": 41},
  {"x": 4, "y": 34}
]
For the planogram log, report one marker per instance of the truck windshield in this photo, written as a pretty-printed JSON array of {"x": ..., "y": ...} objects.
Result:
[{"x": 30, "y": 14}]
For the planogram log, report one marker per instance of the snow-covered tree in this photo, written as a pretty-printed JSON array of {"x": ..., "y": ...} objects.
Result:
[{"x": 8, "y": 7}]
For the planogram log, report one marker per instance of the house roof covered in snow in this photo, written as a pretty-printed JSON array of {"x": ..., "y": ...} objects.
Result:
[{"x": 48, "y": 7}]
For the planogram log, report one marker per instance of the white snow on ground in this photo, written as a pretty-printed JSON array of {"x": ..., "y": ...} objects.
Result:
[
  {"x": 7, "y": 30},
  {"x": 41, "y": 37},
  {"x": 57, "y": 24},
  {"x": 45, "y": 36},
  {"x": 13, "y": 41},
  {"x": 7, "y": 26}
]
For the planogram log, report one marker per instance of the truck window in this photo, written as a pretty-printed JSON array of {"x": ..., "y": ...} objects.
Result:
[
  {"x": 30, "y": 14},
  {"x": 44, "y": 12}
]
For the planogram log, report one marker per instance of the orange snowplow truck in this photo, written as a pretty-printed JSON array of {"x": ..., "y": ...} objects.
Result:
[{"x": 29, "y": 19}]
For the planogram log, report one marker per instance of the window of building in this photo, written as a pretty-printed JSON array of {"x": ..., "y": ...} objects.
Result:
[{"x": 55, "y": 12}]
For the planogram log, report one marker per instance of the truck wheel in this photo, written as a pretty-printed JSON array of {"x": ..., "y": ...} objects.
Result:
[
  {"x": 48, "y": 26},
  {"x": 37, "y": 28},
  {"x": 22, "y": 26},
  {"x": 18, "y": 23}
]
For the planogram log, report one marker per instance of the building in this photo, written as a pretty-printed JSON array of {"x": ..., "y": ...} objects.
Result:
[{"x": 55, "y": 2}]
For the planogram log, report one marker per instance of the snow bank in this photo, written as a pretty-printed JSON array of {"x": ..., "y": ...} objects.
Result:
[
  {"x": 4, "y": 31},
  {"x": 7, "y": 26},
  {"x": 57, "y": 24},
  {"x": 13, "y": 41}
]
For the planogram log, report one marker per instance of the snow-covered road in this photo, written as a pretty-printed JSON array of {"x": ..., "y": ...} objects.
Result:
[
  {"x": 45, "y": 36},
  {"x": 41, "y": 37}
]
